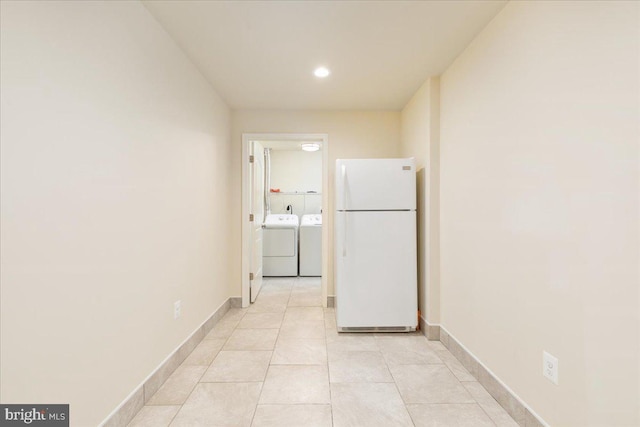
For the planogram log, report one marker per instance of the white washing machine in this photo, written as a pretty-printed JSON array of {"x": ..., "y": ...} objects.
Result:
[
  {"x": 311, "y": 245},
  {"x": 280, "y": 245}
]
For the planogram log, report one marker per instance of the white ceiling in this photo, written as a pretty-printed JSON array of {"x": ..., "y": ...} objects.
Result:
[{"x": 261, "y": 54}]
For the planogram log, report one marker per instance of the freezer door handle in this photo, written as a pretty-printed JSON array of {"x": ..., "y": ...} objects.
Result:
[{"x": 344, "y": 206}]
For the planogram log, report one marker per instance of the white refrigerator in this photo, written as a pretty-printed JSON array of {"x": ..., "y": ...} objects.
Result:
[{"x": 375, "y": 245}]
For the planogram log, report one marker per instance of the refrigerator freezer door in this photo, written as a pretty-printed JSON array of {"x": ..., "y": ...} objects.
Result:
[
  {"x": 375, "y": 184},
  {"x": 376, "y": 270}
]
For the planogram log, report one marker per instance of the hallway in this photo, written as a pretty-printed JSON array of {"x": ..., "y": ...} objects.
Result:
[{"x": 282, "y": 363}]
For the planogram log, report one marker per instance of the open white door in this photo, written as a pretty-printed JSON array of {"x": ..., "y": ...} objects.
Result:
[
  {"x": 252, "y": 236},
  {"x": 256, "y": 179}
]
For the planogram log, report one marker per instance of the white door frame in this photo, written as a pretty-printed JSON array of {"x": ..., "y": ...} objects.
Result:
[{"x": 246, "y": 224}]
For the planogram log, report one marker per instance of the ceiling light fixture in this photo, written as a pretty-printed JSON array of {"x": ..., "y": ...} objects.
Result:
[
  {"x": 321, "y": 72},
  {"x": 310, "y": 146}
]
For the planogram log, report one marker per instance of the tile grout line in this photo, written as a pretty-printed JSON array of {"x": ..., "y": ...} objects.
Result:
[
  {"x": 174, "y": 416},
  {"x": 208, "y": 366},
  {"x": 225, "y": 340},
  {"x": 181, "y": 365},
  {"x": 446, "y": 350},
  {"x": 326, "y": 348},
  {"x": 396, "y": 385},
  {"x": 237, "y": 382},
  {"x": 236, "y": 327},
  {"x": 483, "y": 410},
  {"x": 475, "y": 403},
  {"x": 255, "y": 410}
]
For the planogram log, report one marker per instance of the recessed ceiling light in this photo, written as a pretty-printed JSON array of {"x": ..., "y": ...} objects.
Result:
[{"x": 321, "y": 72}]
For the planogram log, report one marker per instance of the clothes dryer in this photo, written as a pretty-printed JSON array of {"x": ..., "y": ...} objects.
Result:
[{"x": 311, "y": 245}]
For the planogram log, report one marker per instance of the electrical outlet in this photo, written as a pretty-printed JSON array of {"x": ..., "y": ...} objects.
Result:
[
  {"x": 177, "y": 307},
  {"x": 550, "y": 367}
]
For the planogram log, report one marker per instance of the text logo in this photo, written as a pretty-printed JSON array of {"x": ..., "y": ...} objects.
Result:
[{"x": 34, "y": 415}]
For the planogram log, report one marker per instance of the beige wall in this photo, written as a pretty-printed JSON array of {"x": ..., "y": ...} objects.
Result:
[
  {"x": 296, "y": 170},
  {"x": 114, "y": 151},
  {"x": 364, "y": 134},
  {"x": 539, "y": 205},
  {"x": 420, "y": 139}
]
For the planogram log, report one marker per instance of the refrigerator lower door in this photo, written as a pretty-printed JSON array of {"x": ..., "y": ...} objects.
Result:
[{"x": 376, "y": 271}]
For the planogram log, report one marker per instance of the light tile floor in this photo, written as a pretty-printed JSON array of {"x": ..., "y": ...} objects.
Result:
[{"x": 282, "y": 363}]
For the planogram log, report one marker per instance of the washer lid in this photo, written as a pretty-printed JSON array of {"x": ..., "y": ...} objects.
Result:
[
  {"x": 315, "y": 219},
  {"x": 281, "y": 220}
]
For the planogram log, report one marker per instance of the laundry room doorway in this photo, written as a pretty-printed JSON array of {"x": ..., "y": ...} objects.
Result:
[{"x": 285, "y": 182}]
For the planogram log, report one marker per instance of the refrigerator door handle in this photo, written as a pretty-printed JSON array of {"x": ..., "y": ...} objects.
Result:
[
  {"x": 344, "y": 237},
  {"x": 344, "y": 187},
  {"x": 344, "y": 206}
]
